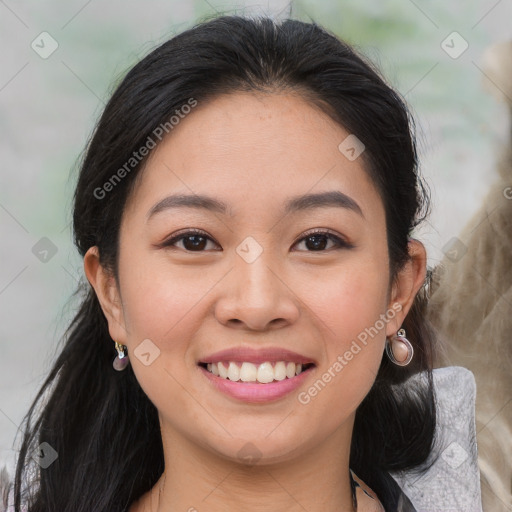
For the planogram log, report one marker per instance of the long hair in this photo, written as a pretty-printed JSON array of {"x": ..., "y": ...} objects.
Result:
[{"x": 102, "y": 425}]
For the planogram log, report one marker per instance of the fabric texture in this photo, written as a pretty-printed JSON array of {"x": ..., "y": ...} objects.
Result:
[{"x": 452, "y": 484}]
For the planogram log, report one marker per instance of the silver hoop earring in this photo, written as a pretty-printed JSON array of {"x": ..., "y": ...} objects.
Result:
[
  {"x": 121, "y": 361},
  {"x": 399, "y": 349}
]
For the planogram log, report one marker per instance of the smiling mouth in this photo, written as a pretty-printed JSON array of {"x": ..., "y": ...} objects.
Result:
[{"x": 262, "y": 373}]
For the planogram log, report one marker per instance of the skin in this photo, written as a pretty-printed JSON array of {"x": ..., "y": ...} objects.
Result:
[{"x": 253, "y": 151}]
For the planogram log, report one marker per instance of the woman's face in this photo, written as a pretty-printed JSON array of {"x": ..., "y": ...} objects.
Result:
[{"x": 254, "y": 277}]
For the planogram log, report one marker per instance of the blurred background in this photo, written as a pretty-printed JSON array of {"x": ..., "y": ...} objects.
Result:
[{"x": 59, "y": 61}]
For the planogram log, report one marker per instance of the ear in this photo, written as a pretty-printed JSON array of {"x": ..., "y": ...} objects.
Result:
[
  {"x": 406, "y": 285},
  {"x": 105, "y": 286}
]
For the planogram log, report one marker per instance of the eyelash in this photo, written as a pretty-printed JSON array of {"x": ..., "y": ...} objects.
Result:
[{"x": 341, "y": 243}]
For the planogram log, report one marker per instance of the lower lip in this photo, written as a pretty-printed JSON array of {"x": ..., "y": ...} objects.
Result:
[{"x": 255, "y": 392}]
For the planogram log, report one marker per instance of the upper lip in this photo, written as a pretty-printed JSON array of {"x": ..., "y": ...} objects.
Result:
[{"x": 256, "y": 356}]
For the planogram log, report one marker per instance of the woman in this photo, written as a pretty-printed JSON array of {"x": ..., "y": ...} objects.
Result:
[{"x": 244, "y": 211}]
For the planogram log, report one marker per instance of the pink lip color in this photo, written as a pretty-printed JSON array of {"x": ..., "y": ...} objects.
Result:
[
  {"x": 257, "y": 356},
  {"x": 256, "y": 392}
]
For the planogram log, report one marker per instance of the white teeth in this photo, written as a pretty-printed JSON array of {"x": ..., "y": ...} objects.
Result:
[
  {"x": 249, "y": 372},
  {"x": 233, "y": 372},
  {"x": 265, "y": 373},
  {"x": 223, "y": 371},
  {"x": 280, "y": 371},
  {"x": 290, "y": 370}
]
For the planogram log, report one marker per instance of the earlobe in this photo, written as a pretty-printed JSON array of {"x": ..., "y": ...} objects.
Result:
[
  {"x": 106, "y": 290},
  {"x": 407, "y": 284}
]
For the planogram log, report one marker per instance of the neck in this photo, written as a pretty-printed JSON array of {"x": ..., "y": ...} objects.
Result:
[{"x": 195, "y": 479}]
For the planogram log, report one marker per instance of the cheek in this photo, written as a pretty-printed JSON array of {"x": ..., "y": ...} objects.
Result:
[
  {"x": 159, "y": 301},
  {"x": 349, "y": 310},
  {"x": 165, "y": 307},
  {"x": 349, "y": 300}
]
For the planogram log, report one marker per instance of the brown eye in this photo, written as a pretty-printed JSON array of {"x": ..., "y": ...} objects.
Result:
[
  {"x": 193, "y": 241},
  {"x": 317, "y": 241}
]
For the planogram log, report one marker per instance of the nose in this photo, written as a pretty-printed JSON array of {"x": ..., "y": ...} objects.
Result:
[{"x": 256, "y": 297}]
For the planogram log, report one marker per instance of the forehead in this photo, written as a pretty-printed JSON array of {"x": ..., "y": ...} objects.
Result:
[{"x": 253, "y": 149}]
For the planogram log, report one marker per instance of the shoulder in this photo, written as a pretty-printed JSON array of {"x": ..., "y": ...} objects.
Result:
[
  {"x": 365, "y": 495},
  {"x": 450, "y": 477}
]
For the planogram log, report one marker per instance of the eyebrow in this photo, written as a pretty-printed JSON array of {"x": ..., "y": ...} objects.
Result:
[{"x": 330, "y": 199}]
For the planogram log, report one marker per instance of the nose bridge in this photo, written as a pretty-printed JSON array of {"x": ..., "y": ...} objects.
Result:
[
  {"x": 256, "y": 295},
  {"x": 255, "y": 271}
]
